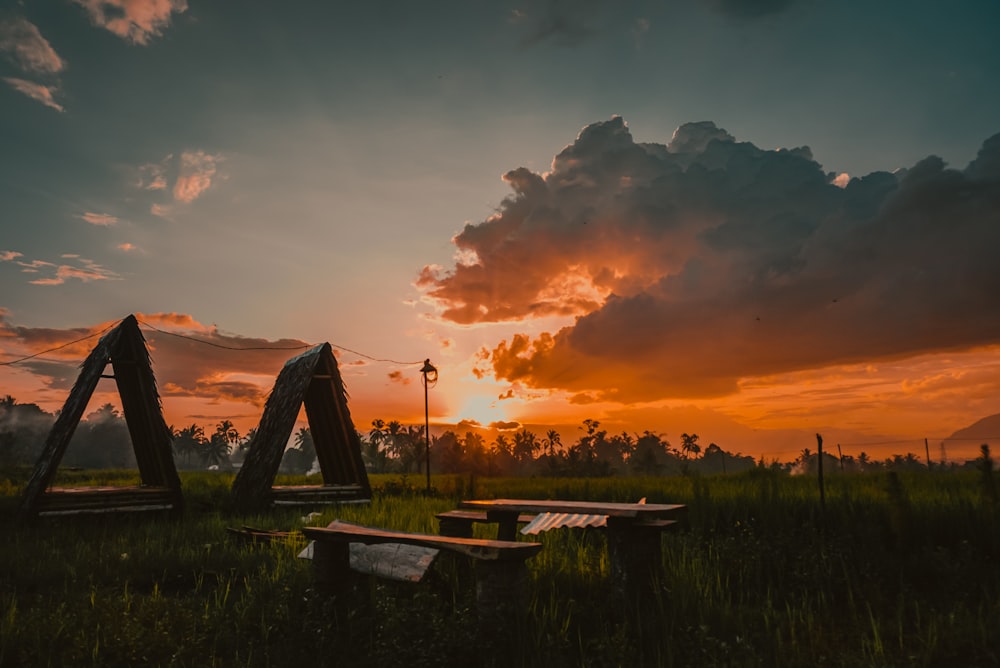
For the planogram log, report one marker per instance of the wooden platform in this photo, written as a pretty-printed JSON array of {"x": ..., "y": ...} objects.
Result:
[
  {"x": 305, "y": 495},
  {"x": 77, "y": 500}
]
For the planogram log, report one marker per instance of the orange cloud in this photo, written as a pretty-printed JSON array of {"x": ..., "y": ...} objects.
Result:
[
  {"x": 135, "y": 21},
  {"x": 84, "y": 270},
  {"x": 196, "y": 171},
  {"x": 692, "y": 265},
  {"x": 101, "y": 219},
  {"x": 190, "y": 360},
  {"x": 398, "y": 377},
  {"x": 37, "y": 92}
]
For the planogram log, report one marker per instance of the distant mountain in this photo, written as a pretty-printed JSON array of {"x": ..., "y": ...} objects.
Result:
[{"x": 986, "y": 429}]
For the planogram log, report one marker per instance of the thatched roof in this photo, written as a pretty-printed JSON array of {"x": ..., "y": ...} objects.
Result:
[
  {"x": 125, "y": 349},
  {"x": 313, "y": 379}
]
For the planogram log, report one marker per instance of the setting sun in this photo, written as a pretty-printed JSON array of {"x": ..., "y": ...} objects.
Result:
[{"x": 481, "y": 409}]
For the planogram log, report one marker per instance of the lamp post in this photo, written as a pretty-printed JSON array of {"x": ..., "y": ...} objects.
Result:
[{"x": 429, "y": 377}]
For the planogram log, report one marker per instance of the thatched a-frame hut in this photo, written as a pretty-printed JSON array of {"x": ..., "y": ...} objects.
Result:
[
  {"x": 124, "y": 348},
  {"x": 313, "y": 379}
]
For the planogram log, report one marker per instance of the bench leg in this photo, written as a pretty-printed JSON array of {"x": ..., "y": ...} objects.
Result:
[
  {"x": 501, "y": 603},
  {"x": 332, "y": 567},
  {"x": 454, "y": 527}
]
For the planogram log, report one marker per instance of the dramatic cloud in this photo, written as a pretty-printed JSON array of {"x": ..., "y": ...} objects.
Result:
[
  {"x": 24, "y": 44},
  {"x": 36, "y": 91},
  {"x": 691, "y": 265},
  {"x": 135, "y": 21},
  {"x": 196, "y": 171},
  {"x": 100, "y": 219}
]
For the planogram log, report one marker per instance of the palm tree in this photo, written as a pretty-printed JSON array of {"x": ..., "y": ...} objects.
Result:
[
  {"x": 188, "y": 442},
  {"x": 525, "y": 446},
  {"x": 215, "y": 451},
  {"x": 551, "y": 441},
  {"x": 228, "y": 433},
  {"x": 689, "y": 445}
]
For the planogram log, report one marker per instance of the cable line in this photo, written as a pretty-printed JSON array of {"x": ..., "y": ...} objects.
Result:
[
  {"x": 219, "y": 345},
  {"x": 65, "y": 345}
]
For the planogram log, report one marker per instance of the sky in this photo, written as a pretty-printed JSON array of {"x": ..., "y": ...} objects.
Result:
[{"x": 752, "y": 220}]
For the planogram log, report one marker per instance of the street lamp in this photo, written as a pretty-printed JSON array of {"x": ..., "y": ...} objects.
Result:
[{"x": 429, "y": 376}]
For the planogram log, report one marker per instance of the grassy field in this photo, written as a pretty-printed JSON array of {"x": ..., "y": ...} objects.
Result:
[{"x": 895, "y": 570}]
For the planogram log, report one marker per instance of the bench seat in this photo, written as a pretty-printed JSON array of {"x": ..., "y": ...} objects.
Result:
[{"x": 476, "y": 548}]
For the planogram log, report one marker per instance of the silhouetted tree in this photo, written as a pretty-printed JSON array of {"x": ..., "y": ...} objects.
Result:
[{"x": 188, "y": 442}]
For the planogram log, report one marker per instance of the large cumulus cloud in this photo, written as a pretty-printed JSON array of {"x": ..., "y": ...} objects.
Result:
[{"x": 693, "y": 264}]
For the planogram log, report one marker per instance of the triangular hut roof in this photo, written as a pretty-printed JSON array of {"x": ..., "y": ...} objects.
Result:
[
  {"x": 125, "y": 349},
  {"x": 313, "y": 379}
]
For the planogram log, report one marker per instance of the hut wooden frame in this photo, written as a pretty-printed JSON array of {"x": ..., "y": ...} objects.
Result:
[
  {"x": 312, "y": 379},
  {"x": 124, "y": 348}
]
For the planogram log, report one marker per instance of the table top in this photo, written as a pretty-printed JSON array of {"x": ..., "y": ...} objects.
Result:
[{"x": 610, "y": 509}]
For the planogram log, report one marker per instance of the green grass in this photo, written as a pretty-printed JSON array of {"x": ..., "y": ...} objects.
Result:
[{"x": 894, "y": 571}]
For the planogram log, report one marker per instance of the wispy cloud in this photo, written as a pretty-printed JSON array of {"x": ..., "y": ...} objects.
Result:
[
  {"x": 127, "y": 247},
  {"x": 71, "y": 267},
  {"x": 23, "y": 43},
  {"x": 196, "y": 171},
  {"x": 36, "y": 91},
  {"x": 639, "y": 30},
  {"x": 161, "y": 210},
  {"x": 559, "y": 22},
  {"x": 135, "y": 21},
  {"x": 750, "y": 9},
  {"x": 100, "y": 219}
]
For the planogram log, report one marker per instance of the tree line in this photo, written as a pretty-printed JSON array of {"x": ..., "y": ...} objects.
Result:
[{"x": 101, "y": 440}]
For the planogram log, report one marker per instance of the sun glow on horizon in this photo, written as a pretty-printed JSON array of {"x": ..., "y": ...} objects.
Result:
[{"x": 479, "y": 408}]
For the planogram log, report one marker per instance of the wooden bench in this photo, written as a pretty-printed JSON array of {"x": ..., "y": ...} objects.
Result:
[{"x": 500, "y": 569}]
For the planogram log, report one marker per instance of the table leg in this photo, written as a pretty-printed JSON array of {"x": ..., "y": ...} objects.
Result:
[
  {"x": 635, "y": 553},
  {"x": 506, "y": 523}
]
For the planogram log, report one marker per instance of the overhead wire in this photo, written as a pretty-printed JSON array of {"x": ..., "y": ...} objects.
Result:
[
  {"x": 60, "y": 347},
  {"x": 207, "y": 343}
]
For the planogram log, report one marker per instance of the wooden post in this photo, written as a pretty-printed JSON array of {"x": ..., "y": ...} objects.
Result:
[
  {"x": 840, "y": 454},
  {"x": 927, "y": 451},
  {"x": 819, "y": 459}
]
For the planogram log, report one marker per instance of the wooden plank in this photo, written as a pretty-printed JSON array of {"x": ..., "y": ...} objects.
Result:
[
  {"x": 393, "y": 561},
  {"x": 610, "y": 509},
  {"x": 477, "y": 516},
  {"x": 476, "y": 548}
]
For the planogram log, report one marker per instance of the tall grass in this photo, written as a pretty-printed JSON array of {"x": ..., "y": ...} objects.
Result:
[{"x": 896, "y": 570}]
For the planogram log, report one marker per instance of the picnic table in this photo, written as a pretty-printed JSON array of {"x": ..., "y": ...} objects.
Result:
[{"x": 633, "y": 530}]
